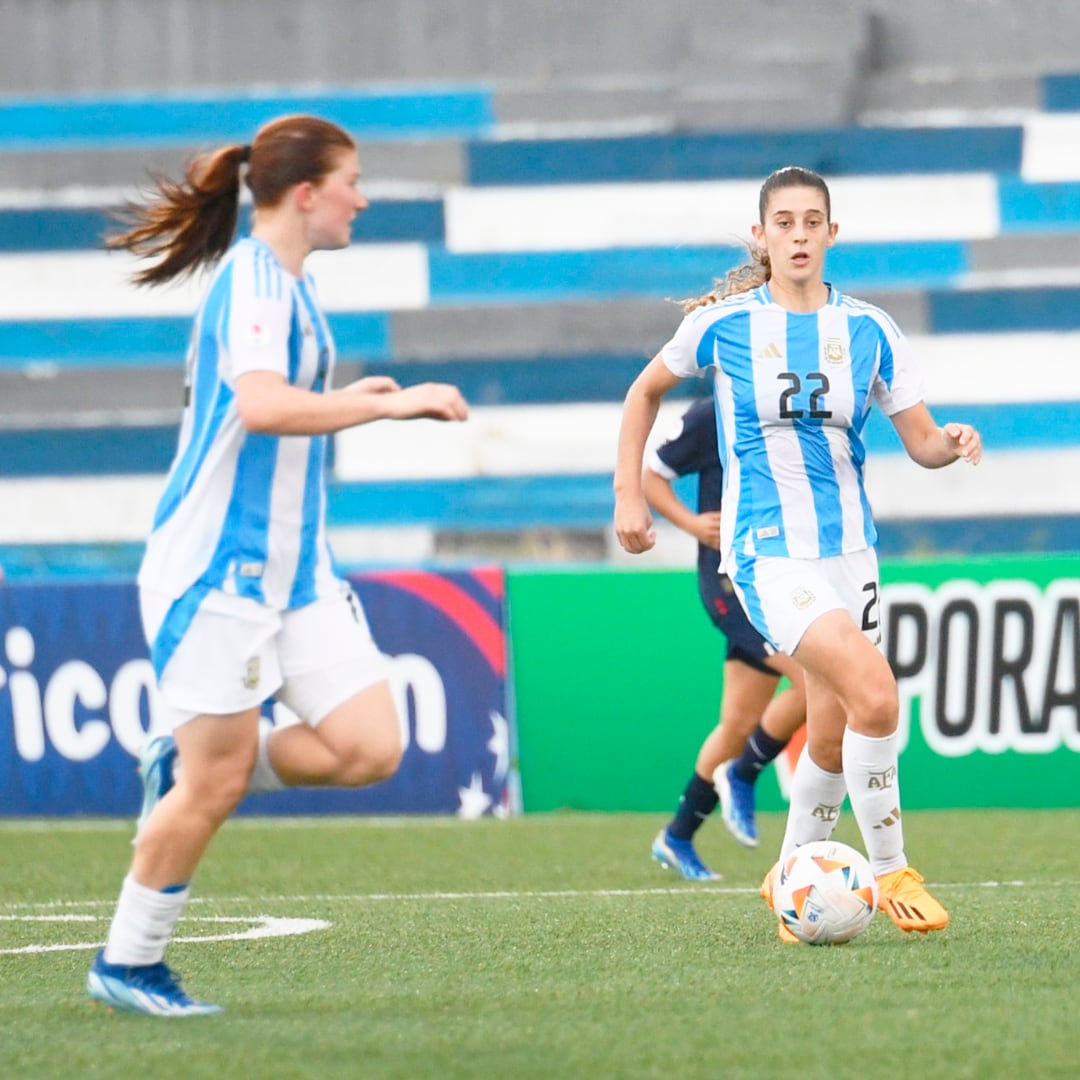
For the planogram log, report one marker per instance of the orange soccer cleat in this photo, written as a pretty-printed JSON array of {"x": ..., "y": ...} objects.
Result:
[
  {"x": 785, "y": 935},
  {"x": 902, "y": 897}
]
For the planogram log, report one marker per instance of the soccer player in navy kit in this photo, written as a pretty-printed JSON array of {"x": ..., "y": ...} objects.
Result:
[
  {"x": 796, "y": 367},
  {"x": 239, "y": 594},
  {"x": 755, "y": 722}
]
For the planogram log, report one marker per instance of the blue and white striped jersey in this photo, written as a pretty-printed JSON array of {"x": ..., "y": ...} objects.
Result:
[
  {"x": 244, "y": 512},
  {"x": 793, "y": 392}
]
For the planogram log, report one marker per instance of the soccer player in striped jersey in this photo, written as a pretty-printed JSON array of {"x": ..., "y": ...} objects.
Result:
[
  {"x": 239, "y": 594},
  {"x": 797, "y": 366},
  {"x": 755, "y": 722}
]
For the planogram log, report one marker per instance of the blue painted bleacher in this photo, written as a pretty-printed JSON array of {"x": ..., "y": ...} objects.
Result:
[
  {"x": 82, "y": 228},
  {"x": 156, "y": 341},
  {"x": 677, "y": 271},
  {"x": 1004, "y": 310},
  {"x": 208, "y": 118},
  {"x": 1061, "y": 92},
  {"x": 95, "y": 343},
  {"x": 1032, "y": 207},
  {"x": 108, "y": 450},
  {"x": 535, "y": 381},
  {"x": 849, "y": 151}
]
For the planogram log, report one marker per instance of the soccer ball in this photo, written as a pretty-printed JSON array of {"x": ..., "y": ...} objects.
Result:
[{"x": 825, "y": 893}]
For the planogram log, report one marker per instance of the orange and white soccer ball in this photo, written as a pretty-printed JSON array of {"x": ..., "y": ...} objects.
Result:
[{"x": 825, "y": 893}]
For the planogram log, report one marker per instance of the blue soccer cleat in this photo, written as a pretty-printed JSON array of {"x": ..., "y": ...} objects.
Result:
[
  {"x": 679, "y": 855},
  {"x": 156, "y": 764},
  {"x": 149, "y": 989},
  {"x": 736, "y": 805}
]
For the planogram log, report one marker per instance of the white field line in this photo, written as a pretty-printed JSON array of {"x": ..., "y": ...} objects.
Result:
[
  {"x": 264, "y": 926},
  {"x": 47, "y": 906},
  {"x": 255, "y": 927}
]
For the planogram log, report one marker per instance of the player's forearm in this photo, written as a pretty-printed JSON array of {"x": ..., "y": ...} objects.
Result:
[
  {"x": 934, "y": 447},
  {"x": 289, "y": 410},
  {"x": 934, "y": 451},
  {"x": 639, "y": 415},
  {"x": 661, "y": 496}
]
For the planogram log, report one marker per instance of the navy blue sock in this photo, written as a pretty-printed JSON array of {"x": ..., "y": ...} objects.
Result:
[
  {"x": 697, "y": 803},
  {"x": 760, "y": 749}
]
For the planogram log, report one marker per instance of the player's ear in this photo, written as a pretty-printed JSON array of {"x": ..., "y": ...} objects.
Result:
[
  {"x": 302, "y": 195},
  {"x": 833, "y": 229}
]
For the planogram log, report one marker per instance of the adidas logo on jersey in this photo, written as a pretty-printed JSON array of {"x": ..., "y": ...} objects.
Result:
[{"x": 772, "y": 351}]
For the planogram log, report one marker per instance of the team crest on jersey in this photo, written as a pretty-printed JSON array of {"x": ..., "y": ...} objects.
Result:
[
  {"x": 251, "y": 673},
  {"x": 835, "y": 353},
  {"x": 802, "y": 598}
]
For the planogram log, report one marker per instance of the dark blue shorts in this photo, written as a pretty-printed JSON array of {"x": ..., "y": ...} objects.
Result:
[{"x": 723, "y": 607}]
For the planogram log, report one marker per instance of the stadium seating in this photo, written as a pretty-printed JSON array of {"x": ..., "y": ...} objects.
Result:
[{"x": 531, "y": 224}]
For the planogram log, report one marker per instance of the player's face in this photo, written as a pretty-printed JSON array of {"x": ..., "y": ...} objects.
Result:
[
  {"x": 335, "y": 202},
  {"x": 796, "y": 234}
]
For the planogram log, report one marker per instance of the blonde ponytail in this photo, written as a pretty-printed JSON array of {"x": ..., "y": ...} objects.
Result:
[{"x": 741, "y": 279}]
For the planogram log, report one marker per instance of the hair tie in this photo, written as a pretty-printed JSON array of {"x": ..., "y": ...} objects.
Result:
[{"x": 245, "y": 154}]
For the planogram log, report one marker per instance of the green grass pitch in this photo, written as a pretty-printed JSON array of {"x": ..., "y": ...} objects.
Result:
[{"x": 545, "y": 946}]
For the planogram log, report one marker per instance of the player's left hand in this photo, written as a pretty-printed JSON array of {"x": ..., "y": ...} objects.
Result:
[
  {"x": 706, "y": 529},
  {"x": 434, "y": 401}
]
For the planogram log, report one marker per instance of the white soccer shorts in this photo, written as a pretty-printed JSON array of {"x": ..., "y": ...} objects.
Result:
[
  {"x": 782, "y": 597},
  {"x": 236, "y": 653}
]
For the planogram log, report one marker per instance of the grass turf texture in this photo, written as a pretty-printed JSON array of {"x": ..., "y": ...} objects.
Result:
[{"x": 548, "y": 946}]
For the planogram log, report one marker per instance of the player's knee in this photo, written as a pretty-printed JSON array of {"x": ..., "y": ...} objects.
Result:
[
  {"x": 384, "y": 758},
  {"x": 375, "y": 758},
  {"x": 878, "y": 709},
  {"x": 387, "y": 765},
  {"x": 215, "y": 795}
]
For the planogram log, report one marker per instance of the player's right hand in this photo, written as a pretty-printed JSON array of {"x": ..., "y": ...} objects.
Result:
[{"x": 634, "y": 524}]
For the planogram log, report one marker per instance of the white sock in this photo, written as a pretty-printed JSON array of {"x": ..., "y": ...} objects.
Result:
[
  {"x": 870, "y": 766},
  {"x": 143, "y": 923},
  {"x": 263, "y": 777},
  {"x": 816, "y": 799}
]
